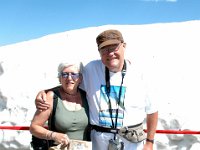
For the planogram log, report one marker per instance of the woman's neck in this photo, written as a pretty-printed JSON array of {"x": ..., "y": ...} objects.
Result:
[
  {"x": 71, "y": 93},
  {"x": 74, "y": 97}
]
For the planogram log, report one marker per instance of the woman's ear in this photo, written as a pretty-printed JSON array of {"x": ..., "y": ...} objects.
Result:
[{"x": 81, "y": 78}]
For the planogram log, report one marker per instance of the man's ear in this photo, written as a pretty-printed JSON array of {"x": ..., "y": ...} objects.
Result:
[{"x": 124, "y": 45}]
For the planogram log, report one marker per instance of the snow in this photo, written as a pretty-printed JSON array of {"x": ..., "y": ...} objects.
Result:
[{"x": 168, "y": 52}]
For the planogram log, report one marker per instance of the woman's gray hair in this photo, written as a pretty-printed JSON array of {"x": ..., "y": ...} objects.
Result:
[{"x": 64, "y": 65}]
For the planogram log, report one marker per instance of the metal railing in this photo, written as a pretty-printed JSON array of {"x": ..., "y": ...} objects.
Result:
[{"x": 157, "y": 131}]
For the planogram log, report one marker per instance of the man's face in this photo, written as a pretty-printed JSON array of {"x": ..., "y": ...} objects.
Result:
[{"x": 112, "y": 56}]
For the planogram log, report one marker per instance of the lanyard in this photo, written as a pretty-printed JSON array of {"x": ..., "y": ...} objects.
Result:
[{"x": 107, "y": 77}]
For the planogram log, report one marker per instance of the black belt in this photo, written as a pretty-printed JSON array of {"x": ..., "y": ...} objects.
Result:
[
  {"x": 103, "y": 129},
  {"x": 110, "y": 130}
]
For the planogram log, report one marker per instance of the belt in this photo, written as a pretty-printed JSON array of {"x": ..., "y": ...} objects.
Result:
[
  {"x": 110, "y": 130},
  {"x": 103, "y": 129}
]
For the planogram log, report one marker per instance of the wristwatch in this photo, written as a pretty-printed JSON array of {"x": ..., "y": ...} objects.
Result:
[{"x": 148, "y": 140}]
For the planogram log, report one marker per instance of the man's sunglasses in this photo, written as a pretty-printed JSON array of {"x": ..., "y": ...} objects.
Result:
[
  {"x": 109, "y": 49},
  {"x": 74, "y": 76}
]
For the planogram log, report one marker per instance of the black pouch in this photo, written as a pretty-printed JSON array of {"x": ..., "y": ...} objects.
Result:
[
  {"x": 40, "y": 144},
  {"x": 115, "y": 145}
]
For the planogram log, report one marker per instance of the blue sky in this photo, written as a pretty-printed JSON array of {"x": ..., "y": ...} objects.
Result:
[{"x": 22, "y": 20}]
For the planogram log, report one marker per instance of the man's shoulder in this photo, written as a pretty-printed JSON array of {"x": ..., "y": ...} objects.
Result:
[{"x": 93, "y": 63}]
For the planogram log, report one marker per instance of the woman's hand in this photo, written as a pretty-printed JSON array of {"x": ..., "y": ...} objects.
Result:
[{"x": 61, "y": 138}]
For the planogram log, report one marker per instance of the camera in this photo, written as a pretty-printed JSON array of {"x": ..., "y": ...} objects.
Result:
[{"x": 115, "y": 145}]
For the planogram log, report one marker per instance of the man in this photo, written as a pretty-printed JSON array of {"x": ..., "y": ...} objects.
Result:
[{"x": 117, "y": 98}]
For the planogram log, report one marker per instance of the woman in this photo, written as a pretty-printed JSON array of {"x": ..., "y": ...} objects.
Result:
[{"x": 71, "y": 115}]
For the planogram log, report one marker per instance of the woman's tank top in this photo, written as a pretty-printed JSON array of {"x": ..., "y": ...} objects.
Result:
[{"x": 73, "y": 123}]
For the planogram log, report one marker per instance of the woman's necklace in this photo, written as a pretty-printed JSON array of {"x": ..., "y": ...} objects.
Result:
[
  {"x": 71, "y": 101},
  {"x": 62, "y": 90}
]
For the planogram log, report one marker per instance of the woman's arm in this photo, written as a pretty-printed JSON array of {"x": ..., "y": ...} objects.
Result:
[{"x": 41, "y": 117}]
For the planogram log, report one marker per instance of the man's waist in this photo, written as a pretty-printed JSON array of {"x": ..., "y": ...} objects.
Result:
[{"x": 110, "y": 130}]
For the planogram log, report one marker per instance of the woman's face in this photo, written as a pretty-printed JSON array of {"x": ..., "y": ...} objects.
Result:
[{"x": 70, "y": 79}]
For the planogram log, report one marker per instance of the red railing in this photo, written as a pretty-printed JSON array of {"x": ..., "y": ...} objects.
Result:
[
  {"x": 176, "y": 131},
  {"x": 15, "y": 127},
  {"x": 157, "y": 131}
]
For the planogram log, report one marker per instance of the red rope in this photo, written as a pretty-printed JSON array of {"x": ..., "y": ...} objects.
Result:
[{"x": 157, "y": 131}]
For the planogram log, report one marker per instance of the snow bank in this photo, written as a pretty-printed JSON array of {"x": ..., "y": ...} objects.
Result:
[{"x": 168, "y": 53}]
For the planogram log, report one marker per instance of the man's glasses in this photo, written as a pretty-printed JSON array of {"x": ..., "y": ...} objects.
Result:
[
  {"x": 74, "y": 76},
  {"x": 109, "y": 49}
]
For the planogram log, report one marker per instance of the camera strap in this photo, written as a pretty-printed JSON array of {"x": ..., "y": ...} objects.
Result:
[{"x": 107, "y": 77}]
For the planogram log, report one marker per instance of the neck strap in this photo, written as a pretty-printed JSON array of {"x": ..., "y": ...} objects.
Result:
[{"x": 107, "y": 77}]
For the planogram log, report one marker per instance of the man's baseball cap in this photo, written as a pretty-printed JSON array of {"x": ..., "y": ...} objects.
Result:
[{"x": 109, "y": 37}]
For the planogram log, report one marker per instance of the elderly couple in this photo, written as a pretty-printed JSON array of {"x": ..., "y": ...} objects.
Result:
[{"x": 115, "y": 105}]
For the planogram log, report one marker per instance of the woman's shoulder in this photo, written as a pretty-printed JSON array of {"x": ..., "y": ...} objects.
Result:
[
  {"x": 83, "y": 95},
  {"x": 82, "y": 91},
  {"x": 50, "y": 95}
]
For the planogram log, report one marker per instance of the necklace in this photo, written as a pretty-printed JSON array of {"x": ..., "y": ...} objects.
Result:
[
  {"x": 74, "y": 98},
  {"x": 72, "y": 102},
  {"x": 69, "y": 93}
]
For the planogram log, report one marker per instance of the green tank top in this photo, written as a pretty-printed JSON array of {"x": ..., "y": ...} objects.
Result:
[{"x": 73, "y": 123}]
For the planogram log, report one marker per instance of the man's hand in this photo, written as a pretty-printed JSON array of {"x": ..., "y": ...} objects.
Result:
[
  {"x": 40, "y": 101},
  {"x": 148, "y": 146}
]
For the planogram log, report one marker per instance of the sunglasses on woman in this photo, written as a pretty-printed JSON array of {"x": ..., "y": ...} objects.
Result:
[{"x": 74, "y": 76}]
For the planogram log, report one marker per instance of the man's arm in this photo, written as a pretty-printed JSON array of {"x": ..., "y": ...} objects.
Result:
[
  {"x": 152, "y": 120},
  {"x": 41, "y": 100}
]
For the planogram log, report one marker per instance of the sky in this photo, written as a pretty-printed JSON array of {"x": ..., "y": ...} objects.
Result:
[{"x": 22, "y": 20}]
